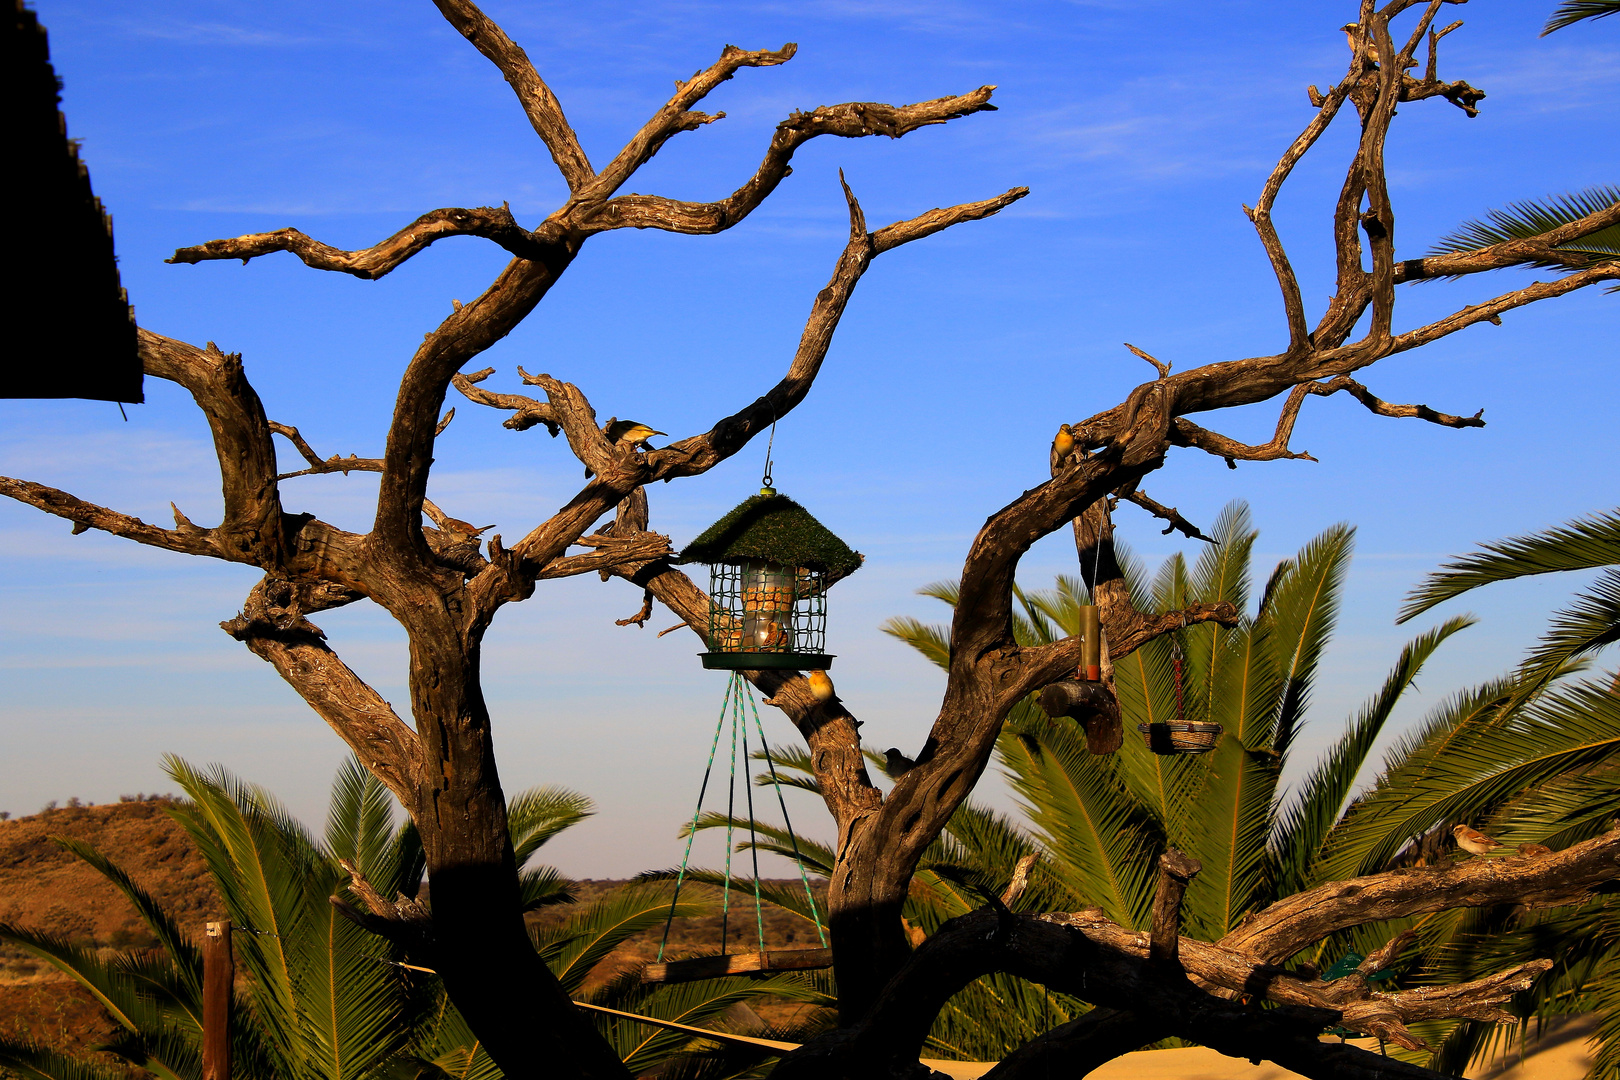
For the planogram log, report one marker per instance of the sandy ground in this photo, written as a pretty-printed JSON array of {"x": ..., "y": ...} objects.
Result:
[{"x": 1562, "y": 1053}]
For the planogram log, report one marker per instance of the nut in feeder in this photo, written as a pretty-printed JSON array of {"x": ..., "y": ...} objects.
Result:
[{"x": 770, "y": 565}]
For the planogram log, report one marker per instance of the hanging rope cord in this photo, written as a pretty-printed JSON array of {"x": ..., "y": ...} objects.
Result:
[{"x": 737, "y": 688}]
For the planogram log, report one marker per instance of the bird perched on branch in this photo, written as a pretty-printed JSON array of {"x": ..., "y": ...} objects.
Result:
[
  {"x": 1534, "y": 850},
  {"x": 630, "y": 433},
  {"x": 1472, "y": 840},
  {"x": 1062, "y": 446},
  {"x": 454, "y": 527},
  {"x": 821, "y": 687},
  {"x": 895, "y": 763},
  {"x": 1352, "y": 33}
]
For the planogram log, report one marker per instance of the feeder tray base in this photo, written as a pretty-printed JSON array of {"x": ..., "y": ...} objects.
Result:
[
  {"x": 762, "y": 661},
  {"x": 1180, "y": 737},
  {"x": 713, "y": 967}
]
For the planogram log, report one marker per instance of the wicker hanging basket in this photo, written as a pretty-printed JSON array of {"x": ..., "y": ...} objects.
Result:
[{"x": 1180, "y": 737}]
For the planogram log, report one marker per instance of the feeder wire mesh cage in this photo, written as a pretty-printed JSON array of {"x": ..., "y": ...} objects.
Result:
[{"x": 770, "y": 565}]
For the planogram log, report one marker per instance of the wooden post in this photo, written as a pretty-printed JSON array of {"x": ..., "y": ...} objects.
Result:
[
  {"x": 1164, "y": 944},
  {"x": 219, "y": 978},
  {"x": 1090, "y": 643}
]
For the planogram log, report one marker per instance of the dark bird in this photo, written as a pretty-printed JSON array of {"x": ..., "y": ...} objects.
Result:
[
  {"x": 895, "y": 763},
  {"x": 631, "y": 433},
  {"x": 1472, "y": 840}
]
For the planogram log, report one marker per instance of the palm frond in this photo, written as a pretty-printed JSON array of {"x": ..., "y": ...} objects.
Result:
[
  {"x": 1571, "y": 12},
  {"x": 1101, "y": 837},
  {"x": 35, "y": 1061},
  {"x": 360, "y": 822},
  {"x": 1590, "y": 623},
  {"x": 1311, "y": 815},
  {"x": 1530, "y": 218},
  {"x": 576, "y": 945},
  {"x": 542, "y": 886},
  {"x": 1304, "y": 606},
  {"x": 184, "y": 961},
  {"x": 789, "y": 896},
  {"x": 536, "y": 815},
  {"x": 931, "y": 639},
  {"x": 1481, "y": 750},
  {"x": 814, "y": 856},
  {"x": 1582, "y": 544}
]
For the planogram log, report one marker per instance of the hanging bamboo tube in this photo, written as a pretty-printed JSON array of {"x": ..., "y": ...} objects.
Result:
[{"x": 1090, "y": 643}]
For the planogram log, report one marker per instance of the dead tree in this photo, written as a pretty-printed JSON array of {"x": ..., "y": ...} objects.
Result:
[{"x": 445, "y": 586}]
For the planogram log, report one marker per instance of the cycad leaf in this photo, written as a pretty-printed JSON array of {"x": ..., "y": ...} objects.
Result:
[
  {"x": 572, "y": 948},
  {"x": 1311, "y": 815},
  {"x": 1303, "y": 607},
  {"x": 184, "y": 959},
  {"x": 1101, "y": 838},
  {"x": 1582, "y": 544},
  {"x": 930, "y": 639},
  {"x": 1571, "y": 12},
  {"x": 34, "y": 1061},
  {"x": 1530, "y": 218},
  {"x": 360, "y": 823},
  {"x": 536, "y": 815}
]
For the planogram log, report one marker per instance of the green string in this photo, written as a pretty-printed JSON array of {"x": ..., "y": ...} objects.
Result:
[
  {"x": 692, "y": 832},
  {"x": 777, "y": 783},
  {"x": 731, "y": 818},
  {"x": 753, "y": 840}
]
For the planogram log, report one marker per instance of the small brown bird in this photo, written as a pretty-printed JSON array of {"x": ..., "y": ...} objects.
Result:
[
  {"x": 1533, "y": 850},
  {"x": 895, "y": 763},
  {"x": 461, "y": 530},
  {"x": 628, "y": 432},
  {"x": 1062, "y": 446},
  {"x": 821, "y": 687},
  {"x": 1472, "y": 840}
]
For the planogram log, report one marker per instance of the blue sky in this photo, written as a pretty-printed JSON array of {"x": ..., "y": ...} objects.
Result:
[{"x": 1140, "y": 129}]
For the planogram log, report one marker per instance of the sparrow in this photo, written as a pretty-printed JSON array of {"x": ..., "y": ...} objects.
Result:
[
  {"x": 457, "y": 528},
  {"x": 821, "y": 687},
  {"x": 1062, "y": 446},
  {"x": 629, "y": 432},
  {"x": 895, "y": 763},
  {"x": 1533, "y": 850},
  {"x": 1472, "y": 840}
]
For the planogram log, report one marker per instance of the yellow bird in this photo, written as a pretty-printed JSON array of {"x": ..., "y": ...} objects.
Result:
[
  {"x": 1062, "y": 446},
  {"x": 1351, "y": 32},
  {"x": 821, "y": 687},
  {"x": 631, "y": 433},
  {"x": 1472, "y": 840}
]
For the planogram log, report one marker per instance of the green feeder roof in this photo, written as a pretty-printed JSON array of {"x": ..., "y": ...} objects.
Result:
[{"x": 773, "y": 528}]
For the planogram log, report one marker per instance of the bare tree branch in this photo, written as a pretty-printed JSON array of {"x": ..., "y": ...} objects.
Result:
[
  {"x": 851, "y": 120},
  {"x": 540, "y": 105},
  {"x": 370, "y": 263},
  {"x": 1177, "y": 523},
  {"x": 527, "y": 412},
  {"x": 1384, "y": 408}
]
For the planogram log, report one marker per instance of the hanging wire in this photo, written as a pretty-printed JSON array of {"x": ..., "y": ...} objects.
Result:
[
  {"x": 766, "y": 481},
  {"x": 753, "y": 840},
  {"x": 776, "y": 782},
  {"x": 731, "y": 819},
  {"x": 692, "y": 833}
]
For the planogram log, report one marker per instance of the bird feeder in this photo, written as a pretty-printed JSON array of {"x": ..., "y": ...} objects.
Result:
[
  {"x": 1180, "y": 737},
  {"x": 770, "y": 565}
]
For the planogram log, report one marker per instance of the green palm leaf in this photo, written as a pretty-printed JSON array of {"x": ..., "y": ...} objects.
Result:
[
  {"x": 1302, "y": 609},
  {"x": 576, "y": 945},
  {"x": 1102, "y": 839},
  {"x": 179, "y": 976},
  {"x": 1582, "y": 544},
  {"x": 34, "y": 1061},
  {"x": 1587, "y": 625},
  {"x": 1312, "y": 814},
  {"x": 538, "y": 814},
  {"x": 1527, "y": 219},
  {"x": 360, "y": 824},
  {"x": 1571, "y": 12}
]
